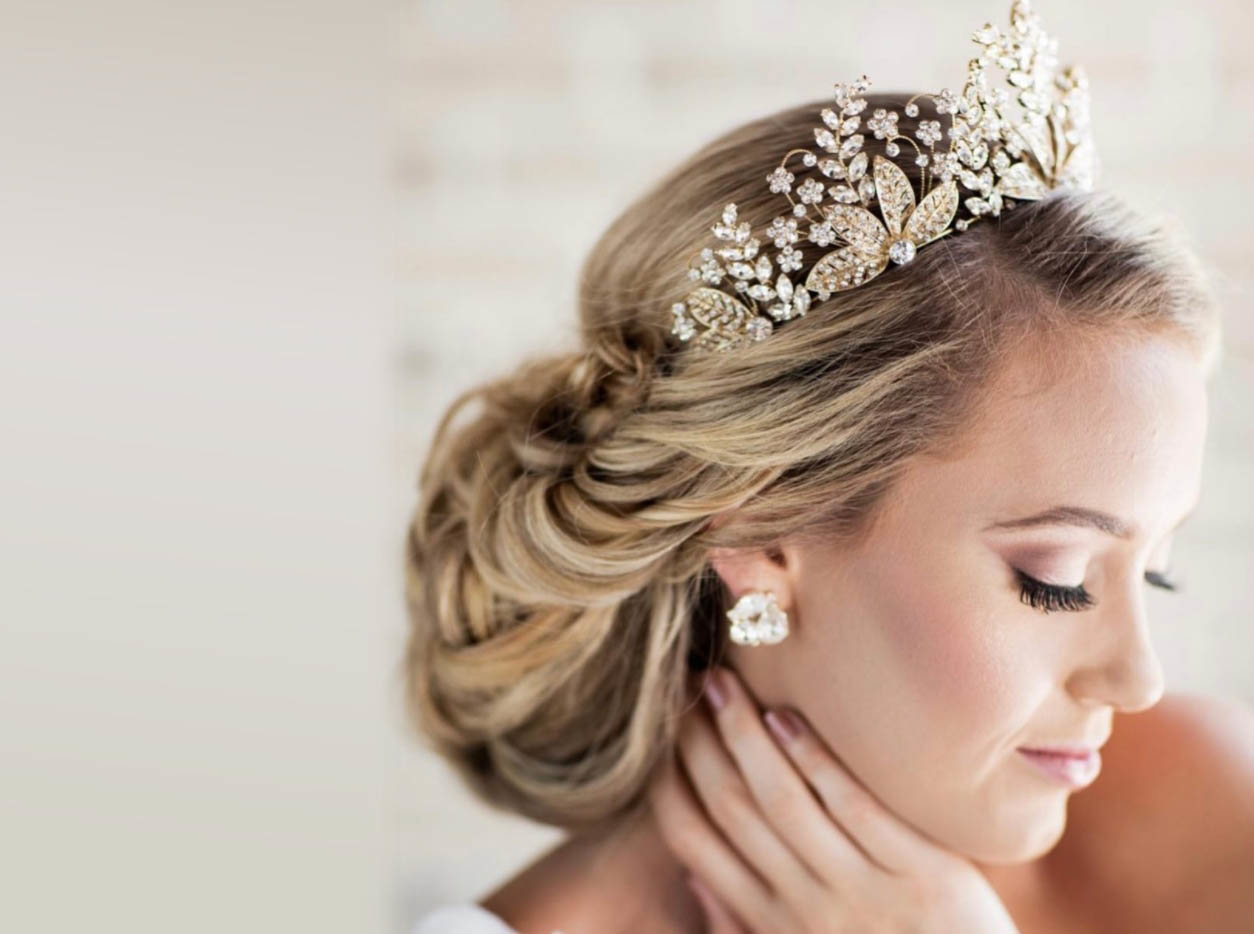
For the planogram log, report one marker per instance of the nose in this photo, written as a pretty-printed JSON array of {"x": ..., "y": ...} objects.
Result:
[{"x": 1120, "y": 667}]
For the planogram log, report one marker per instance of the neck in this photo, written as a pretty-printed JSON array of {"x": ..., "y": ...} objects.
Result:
[
  {"x": 623, "y": 878},
  {"x": 619, "y": 879}
]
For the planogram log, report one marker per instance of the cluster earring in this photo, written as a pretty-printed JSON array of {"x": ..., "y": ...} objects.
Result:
[{"x": 757, "y": 619}]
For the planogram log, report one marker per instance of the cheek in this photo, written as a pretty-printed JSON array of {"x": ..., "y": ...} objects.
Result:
[
  {"x": 921, "y": 683},
  {"x": 935, "y": 654},
  {"x": 956, "y": 664},
  {"x": 943, "y": 653}
]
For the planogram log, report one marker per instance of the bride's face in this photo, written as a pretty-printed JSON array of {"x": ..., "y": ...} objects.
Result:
[{"x": 913, "y": 654}]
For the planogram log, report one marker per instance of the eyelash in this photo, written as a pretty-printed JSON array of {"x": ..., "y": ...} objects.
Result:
[{"x": 1050, "y": 597}]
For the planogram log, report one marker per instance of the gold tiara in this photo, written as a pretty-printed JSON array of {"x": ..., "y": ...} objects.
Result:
[{"x": 999, "y": 159}]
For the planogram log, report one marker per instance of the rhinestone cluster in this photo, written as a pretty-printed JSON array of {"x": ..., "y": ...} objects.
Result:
[
  {"x": 997, "y": 160},
  {"x": 757, "y": 619}
]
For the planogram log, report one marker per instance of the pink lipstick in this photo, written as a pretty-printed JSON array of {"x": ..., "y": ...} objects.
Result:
[{"x": 1074, "y": 768}]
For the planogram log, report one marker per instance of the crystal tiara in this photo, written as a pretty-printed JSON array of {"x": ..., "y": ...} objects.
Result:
[{"x": 999, "y": 159}]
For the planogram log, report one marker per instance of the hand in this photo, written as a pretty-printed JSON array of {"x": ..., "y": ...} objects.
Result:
[{"x": 797, "y": 845}]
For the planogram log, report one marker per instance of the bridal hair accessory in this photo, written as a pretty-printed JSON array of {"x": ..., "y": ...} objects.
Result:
[
  {"x": 757, "y": 619},
  {"x": 1002, "y": 158}
]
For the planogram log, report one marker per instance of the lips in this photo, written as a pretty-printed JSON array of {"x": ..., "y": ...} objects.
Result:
[
  {"x": 1074, "y": 752},
  {"x": 1068, "y": 767}
]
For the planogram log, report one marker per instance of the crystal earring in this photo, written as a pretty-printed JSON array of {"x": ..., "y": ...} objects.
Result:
[{"x": 757, "y": 619}]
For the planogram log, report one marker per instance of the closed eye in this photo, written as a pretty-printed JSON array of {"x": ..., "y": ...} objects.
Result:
[{"x": 1050, "y": 597}]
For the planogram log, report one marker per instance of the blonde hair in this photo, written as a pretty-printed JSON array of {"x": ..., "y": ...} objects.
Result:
[{"x": 557, "y": 579}]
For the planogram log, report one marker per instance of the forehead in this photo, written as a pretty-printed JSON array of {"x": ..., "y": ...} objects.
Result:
[{"x": 1118, "y": 426}]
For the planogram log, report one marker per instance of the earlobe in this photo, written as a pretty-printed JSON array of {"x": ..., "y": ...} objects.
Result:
[
  {"x": 753, "y": 569},
  {"x": 760, "y": 582}
]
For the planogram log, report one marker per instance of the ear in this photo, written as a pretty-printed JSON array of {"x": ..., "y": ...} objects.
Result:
[{"x": 772, "y": 568}]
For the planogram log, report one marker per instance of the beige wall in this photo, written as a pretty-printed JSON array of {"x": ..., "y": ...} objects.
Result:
[
  {"x": 528, "y": 126},
  {"x": 196, "y": 587}
]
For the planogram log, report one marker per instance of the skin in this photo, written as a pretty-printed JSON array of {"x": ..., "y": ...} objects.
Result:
[
  {"x": 913, "y": 658},
  {"x": 972, "y": 672}
]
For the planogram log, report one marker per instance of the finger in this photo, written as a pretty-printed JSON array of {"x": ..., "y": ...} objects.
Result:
[
  {"x": 718, "y": 920},
  {"x": 697, "y": 843},
  {"x": 886, "y": 839},
  {"x": 721, "y": 789},
  {"x": 781, "y": 791}
]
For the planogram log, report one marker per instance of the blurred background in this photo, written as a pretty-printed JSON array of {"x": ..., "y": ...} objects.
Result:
[{"x": 248, "y": 254}]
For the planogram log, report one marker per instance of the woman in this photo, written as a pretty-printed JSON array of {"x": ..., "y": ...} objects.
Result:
[{"x": 919, "y": 520}]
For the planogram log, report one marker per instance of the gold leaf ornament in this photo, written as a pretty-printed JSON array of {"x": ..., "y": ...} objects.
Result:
[
  {"x": 857, "y": 226},
  {"x": 929, "y": 220},
  {"x": 1020, "y": 181},
  {"x": 726, "y": 321},
  {"x": 895, "y": 193},
  {"x": 842, "y": 269},
  {"x": 872, "y": 244}
]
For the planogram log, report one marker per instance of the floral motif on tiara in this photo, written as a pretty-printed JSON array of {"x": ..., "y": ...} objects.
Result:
[{"x": 997, "y": 158}]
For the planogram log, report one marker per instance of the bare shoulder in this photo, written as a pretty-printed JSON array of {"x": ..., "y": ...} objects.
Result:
[{"x": 1172, "y": 813}]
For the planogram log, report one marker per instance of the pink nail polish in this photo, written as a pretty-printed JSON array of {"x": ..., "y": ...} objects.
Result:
[
  {"x": 715, "y": 690},
  {"x": 782, "y": 724}
]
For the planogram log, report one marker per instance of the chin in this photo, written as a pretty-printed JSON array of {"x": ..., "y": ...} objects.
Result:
[
  {"x": 1046, "y": 842},
  {"x": 1023, "y": 842}
]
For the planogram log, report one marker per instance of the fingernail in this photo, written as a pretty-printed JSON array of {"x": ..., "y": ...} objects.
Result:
[
  {"x": 715, "y": 689},
  {"x": 783, "y": 724},
  {"x": 700, "y": 890}
]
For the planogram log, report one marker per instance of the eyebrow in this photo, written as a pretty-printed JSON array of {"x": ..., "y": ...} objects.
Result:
[{"x": 1081, "y": 516}]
